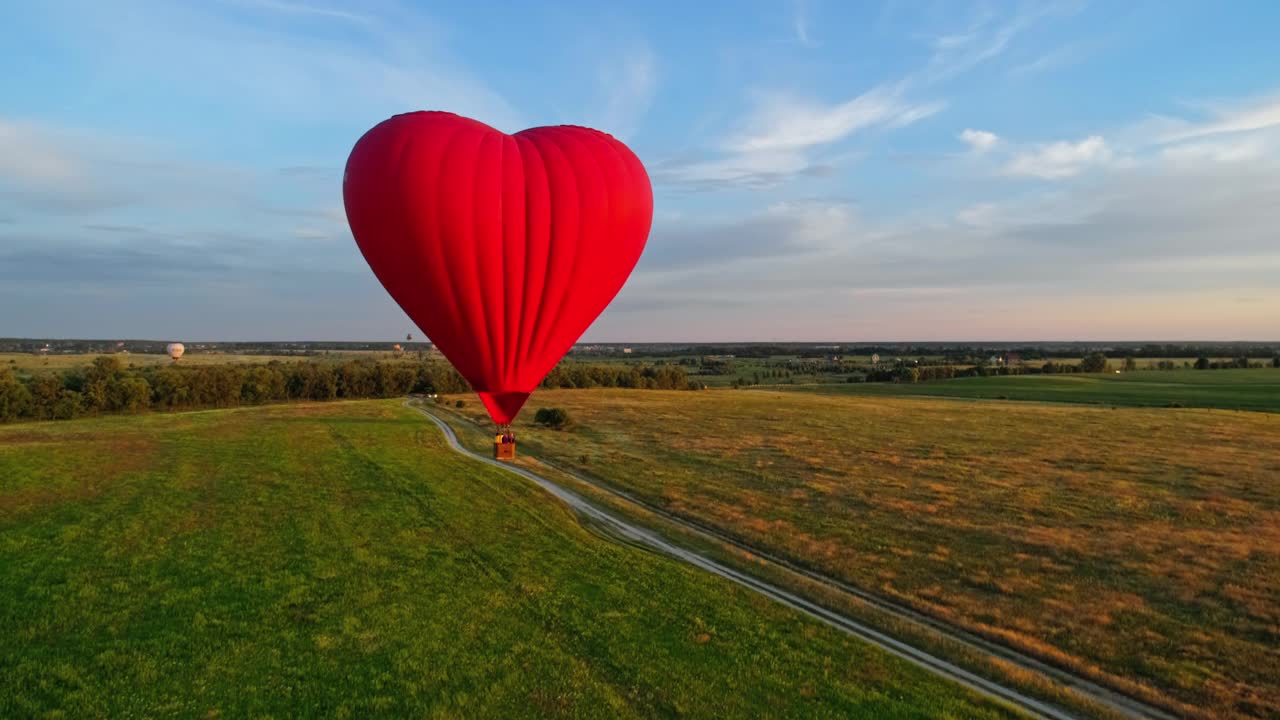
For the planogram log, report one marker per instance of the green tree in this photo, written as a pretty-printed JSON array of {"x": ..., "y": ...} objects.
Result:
[
  {"x": 1130, "y": 364},
  {"x": 263, "y": 384},
  {"x": 1094, "y": 362},
  {"x": 45, "y": 390},
  {"x": 129, "y": 394},
  {"x": 169, "y": 388},
  {"x": 15, "y": 399},
  {"x": 70, "y": 405},
  {"x": 98, "y": 379},
  {"x": 1202, "y": 363}
]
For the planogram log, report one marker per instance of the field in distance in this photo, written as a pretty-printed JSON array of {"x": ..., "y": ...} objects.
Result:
[
  {"x": 1140, "y": 547},
  {"x": 337, "y": 560},
  {"x": 1227, "y": 389},
  {"x": 67, "y": 361}
]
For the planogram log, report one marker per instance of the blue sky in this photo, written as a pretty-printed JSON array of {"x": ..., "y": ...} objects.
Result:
[{"x": 847, "y": 171}]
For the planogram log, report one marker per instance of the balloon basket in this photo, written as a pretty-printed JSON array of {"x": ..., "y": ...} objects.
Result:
[{"x": 504, "y": 451}]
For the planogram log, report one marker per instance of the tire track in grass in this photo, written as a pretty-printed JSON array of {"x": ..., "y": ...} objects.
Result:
[
  {"x": 637, "y": 535},
  {"x": 1112, "y": 698}
]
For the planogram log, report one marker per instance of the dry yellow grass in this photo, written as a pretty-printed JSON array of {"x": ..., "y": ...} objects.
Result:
[{"x": 1140, "y": 546}]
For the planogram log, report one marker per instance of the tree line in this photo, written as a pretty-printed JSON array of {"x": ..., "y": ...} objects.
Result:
[
  {"x": 107, "y": 385},
  {"x": 619, "y": 375},
  {"x": 912, "y": 371}
]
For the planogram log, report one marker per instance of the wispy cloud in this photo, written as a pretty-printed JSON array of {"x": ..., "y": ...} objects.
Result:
[
  {"x": 71, "y": 172},
  {"x": 376, "y": 66},
  {"x": 628, "y": 83},
  {"x": 987, "y": 36},
  {"x": 1055, "y": 59},
  {"x": 781, "y": 135},
  {"x": 800, "y": 12},
  {"x": 121, "y": 194},
  {"x": 303, "y": 9},
  {"x": 781, "y": 230},
  {"x": 785, "y": 133},
  {"x": 1260, "y": 115},
  {"x": 784, "y": 122}
]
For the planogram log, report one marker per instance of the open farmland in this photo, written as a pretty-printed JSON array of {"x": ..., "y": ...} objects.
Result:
[
  {"x": 1137, "y": 546},
  {"x": 1228, "y": 389},
  {"x": 336, "y": 560}
]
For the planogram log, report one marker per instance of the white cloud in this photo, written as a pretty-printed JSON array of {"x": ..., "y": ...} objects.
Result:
[
  {"x": 980, "y": 215},
  {"x": 783, "y": 122},
  {"x": 1060, "y": 159},
  {"x": 29, "y": 153},
  {"x": 816, "y": 223},
  {"x": 1221, "y": 151},
  {"x": 1171, "y": 248},
  {"x": 979, "y": 141}
]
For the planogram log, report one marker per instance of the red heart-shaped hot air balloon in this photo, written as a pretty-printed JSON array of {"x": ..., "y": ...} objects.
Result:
[{"x": 502, "y": 248}]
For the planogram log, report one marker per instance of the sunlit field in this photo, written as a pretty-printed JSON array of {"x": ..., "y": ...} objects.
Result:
[
  {"x": 1140, "y": 547},
  {"x": 336, "y": 560}
]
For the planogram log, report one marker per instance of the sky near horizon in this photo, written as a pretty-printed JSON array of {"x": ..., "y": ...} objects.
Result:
[{"x": 928, "y": 171}]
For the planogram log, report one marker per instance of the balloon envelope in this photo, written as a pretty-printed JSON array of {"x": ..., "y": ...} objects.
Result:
[
  {"x": 174, "y": 350},
  {"x": 502, "y": 248}
]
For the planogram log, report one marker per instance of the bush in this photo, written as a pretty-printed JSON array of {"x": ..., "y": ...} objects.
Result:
[
  {"x": 554, "y": 418},
  {"x": 1094, "y": 362}
]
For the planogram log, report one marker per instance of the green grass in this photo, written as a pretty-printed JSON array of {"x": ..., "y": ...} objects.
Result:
[
  {"x": 1257, "y": 389},
  {"x": 1137, "y": 546},
  {"x": 337, "y": 560}
]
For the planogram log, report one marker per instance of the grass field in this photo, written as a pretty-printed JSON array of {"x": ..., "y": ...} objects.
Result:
[
  {"x": 1227, "y": 389},
  {"x": 1138, "y": 546},
  {"x": 335, "y": 560}
]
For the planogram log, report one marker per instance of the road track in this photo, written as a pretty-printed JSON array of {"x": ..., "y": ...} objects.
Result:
[{"x": 644, "y": 537}]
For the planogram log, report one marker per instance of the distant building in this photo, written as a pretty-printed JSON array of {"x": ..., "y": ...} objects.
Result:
[{"x": 626, "y": 351}]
